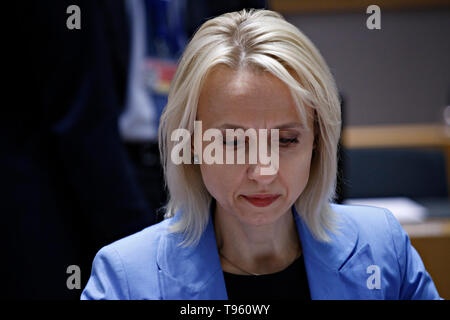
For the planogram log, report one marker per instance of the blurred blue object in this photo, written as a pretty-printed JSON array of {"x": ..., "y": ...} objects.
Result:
[
  {"x": 167, "y": 38},
  {"x": 166, "y": 28}
]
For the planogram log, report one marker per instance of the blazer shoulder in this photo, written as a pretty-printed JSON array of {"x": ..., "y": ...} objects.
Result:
[
  {"x": 144, "y": 241},
  {"x": 370, "y": 226},
  {"x": 127, "y": 268},
  {"x": 367, "y": 220}
]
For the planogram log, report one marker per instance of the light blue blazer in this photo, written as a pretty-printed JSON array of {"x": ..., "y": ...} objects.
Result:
[{"x": 370, "y": 258}]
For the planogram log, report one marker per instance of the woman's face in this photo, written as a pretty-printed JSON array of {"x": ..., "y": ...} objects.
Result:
[{"x": 244, "y": 99}]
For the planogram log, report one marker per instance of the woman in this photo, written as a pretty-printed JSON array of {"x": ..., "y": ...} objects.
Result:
[{"x": 237, "y": 230}]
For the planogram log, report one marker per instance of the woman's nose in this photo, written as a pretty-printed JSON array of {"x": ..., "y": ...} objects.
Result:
[{"x": 264, "y": 174}]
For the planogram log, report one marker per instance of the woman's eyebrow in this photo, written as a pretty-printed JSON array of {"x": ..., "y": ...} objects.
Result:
[{"x": 290, "y": 125}]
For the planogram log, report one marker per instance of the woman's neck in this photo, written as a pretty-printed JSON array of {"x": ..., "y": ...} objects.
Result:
[{"x": 256, "y": 249}]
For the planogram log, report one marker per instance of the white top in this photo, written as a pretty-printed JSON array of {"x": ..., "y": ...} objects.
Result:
[{"x": 137, "y": 123}]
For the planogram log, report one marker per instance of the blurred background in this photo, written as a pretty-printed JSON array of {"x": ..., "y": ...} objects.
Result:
[{"x": 87, "y": 83}]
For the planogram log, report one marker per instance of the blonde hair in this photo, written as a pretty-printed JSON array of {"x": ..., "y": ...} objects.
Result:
[{"x": 262, "y": 40}]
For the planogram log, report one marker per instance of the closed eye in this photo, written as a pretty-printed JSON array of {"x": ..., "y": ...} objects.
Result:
[
  {"x": 285, "y": 142},
  {"x": 230, "y": 143}
]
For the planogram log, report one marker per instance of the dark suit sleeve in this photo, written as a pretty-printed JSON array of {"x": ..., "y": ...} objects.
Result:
[
  {"x": 85, "y": 132},
  {"x": 83, "y": 97}
]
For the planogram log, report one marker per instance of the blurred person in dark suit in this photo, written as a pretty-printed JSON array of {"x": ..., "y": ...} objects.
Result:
[{"x": 69, "y": 186}]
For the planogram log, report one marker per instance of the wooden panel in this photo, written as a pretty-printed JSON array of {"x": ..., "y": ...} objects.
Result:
[
  {"x": 420, "y": 135},
  {"x": 308, "y": 6},
  {"x": 434, "y": 252},
  {"x": 430, "y": 228},
  {"x": 432, "y": 241}
]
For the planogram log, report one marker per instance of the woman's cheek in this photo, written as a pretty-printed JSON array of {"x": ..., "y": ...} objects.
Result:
[
  {"x": 294, "y": 171},
  {"x": 215, "y": 178}
]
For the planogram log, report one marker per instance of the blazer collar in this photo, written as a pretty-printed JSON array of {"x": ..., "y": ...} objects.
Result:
[
  {"x": 192, "y": 272},
  {"x": 334, "y": 254},
  {"x": 195, "y": 272},
  {"x": 326, "y": 263}
]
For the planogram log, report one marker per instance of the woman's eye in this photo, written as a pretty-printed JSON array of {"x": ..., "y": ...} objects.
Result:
[
  {"x": 288, "y": 141},
  {"x": 230, "y": 143},
  {"x": 283, "y": 142}
]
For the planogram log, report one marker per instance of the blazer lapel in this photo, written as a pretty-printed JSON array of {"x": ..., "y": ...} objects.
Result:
[
  {"x": 337, "y": 269},
  {"x": 192, "y": 272}
]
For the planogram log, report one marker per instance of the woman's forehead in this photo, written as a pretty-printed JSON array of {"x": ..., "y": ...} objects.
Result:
[
  {"x": 248, "y": 99},
  {"x": 243, "y": 82}
]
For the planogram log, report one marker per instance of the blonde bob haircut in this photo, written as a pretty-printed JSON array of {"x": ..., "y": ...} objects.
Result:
[{"x": 260, "y": 40}]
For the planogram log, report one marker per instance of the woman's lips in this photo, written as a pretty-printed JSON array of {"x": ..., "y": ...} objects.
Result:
[{"x": 261, "y": 200}]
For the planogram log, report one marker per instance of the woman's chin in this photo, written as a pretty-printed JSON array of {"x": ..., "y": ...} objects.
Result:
[{"x": 259, "y": 217}]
